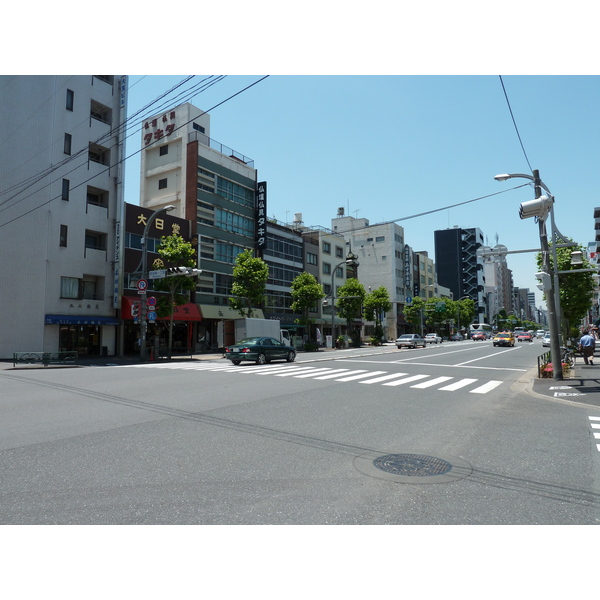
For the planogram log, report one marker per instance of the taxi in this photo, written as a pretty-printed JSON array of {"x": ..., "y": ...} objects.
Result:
[{"x": 505, "y": 338}]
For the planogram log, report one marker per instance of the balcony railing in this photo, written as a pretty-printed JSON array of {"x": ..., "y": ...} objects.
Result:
[{"x": 197, "y": 136}]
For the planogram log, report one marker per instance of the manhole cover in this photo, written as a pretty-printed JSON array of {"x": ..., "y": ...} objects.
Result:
[{"x": 413, "y": 467}]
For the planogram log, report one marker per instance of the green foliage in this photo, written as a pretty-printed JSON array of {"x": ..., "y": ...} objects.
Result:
[
  {"x": 250, "y": 276},
  {"x": 306, "y": 292},
  {"x": 174, "y": 252},
  {"x": 576, "y": 289},
  {"x": 376, "y": 304},
  {"x": 437, "y": 312},
  {"x": 350, "y": 296}
]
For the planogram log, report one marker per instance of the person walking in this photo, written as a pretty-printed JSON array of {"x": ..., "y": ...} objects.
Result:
[{"x": 587, "y": 345}]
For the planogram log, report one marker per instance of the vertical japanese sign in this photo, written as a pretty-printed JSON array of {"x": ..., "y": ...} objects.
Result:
[{"x": 261, "y": 217}]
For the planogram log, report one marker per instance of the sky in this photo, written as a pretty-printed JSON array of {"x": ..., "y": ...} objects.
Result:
[{"x": 391, "y": 147}]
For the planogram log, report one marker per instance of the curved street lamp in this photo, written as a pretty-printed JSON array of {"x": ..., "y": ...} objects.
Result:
[
  {"x": 540, "y": 208},
  {"x": 351, "y": 261}
]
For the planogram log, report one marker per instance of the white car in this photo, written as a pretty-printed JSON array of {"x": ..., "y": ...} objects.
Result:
[
  {"x": 410, "y": 340},
  {"x": 546, "y": 340},
  {"x": 433, "y": 338}
]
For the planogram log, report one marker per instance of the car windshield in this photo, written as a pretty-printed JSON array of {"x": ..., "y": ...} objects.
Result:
[
  {"x": 406, "y": 337},
  {"x": 503, "y": 335}
]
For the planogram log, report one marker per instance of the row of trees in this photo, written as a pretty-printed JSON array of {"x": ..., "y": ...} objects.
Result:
[{"x": 250, "y": 276}]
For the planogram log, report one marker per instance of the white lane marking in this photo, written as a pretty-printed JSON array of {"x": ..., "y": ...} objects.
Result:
[
  {"x": 406, "y": 380},
  {"x": 486, "y": 387},
  {"x": 275, "y": 371},
  {"x": 368, "y": 374},
  {"x": 333, "y": 374},
  {"x": 457, "y": 385},
  {"x": 312, "y": 374},
  {"x": 595, "y": 425},
  {"x": 488, "y": 356},
  {"x": 431, "y": 382},
  {"x": 384, "y": 378},
  {"x": 594, "y": 418},
  {"x": 295, "y": 372}
]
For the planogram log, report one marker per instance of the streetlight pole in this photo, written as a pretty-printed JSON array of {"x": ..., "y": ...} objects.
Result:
[
  {"x": 351, "y": 261},
  {"x": 553, "y": 292},
  {"x": 143, "y": 308}
]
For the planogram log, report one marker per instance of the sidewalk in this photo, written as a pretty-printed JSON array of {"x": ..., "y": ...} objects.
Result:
[{"x": 582, "y": 384}]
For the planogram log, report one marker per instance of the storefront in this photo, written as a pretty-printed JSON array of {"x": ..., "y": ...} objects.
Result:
[
  {"x": 88, "y": 336},
  {"x": 185, "y": 319}
]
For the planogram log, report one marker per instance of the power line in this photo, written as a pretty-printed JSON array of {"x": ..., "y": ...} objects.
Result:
[
  {"x": 132, "y": 154},
  {"x": 515, "y": 123}
]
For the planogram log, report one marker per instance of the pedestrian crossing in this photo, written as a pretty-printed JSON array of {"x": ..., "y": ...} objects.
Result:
[{"x": 342, "y": 375}]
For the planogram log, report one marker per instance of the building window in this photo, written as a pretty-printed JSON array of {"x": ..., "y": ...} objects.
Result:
[
  {"x": 99, "y": 154},
  {"x": 68, "y": 139},
  {"x": 69, "y": 287},
  {"x": 198, "y": 128},
  {"x": 101, "y": 113},
  {"x": 106, "y": 78},
  {"x": 326, "y": 269},
  {"x": 233, "y": 222},
  {"x": 380, "y": 238},
  {"x": 327, "y": 247},
  {"x": 234, "y": 192},
  {"x": 163, "y": 150},
  {"x": 339, "y": 252},
  {"x": 311, "y": 259},
  {"x": 339, "y": 272},
  {"x": 97, "y": 197},
  {"x": 95, "y": 240},
  {"x": 65, "y": 189},
  {"x": 63, "y": 235},
  {"x": 162, "y": 184},
  {"x": 70, "y": 99}
]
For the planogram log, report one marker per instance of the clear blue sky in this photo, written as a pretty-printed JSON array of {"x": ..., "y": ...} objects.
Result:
[{"x": 389, "y": 147}]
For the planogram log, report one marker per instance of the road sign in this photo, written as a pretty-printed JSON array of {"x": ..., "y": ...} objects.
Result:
[
  {"x": 151, "y": 301},
  {"x": 157, "y": 274},
  {"x": 409, "y": 299},
  {"x": 151, "y": 316},
  {"x": 142, "y": 285}
]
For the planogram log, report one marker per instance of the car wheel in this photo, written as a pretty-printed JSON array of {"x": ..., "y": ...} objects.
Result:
[
  {"x": 291, "y": 357},
  {"x": 236, "y": 362},
  {"x": 261, "y": 359}
]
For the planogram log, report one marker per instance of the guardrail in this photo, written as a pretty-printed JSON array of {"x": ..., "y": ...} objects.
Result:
[
  {"x": 45, "y": 358},
  {"x": 543, "y": 359}
]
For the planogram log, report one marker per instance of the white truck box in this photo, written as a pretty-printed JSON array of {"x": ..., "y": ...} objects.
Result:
[{"x": 247, "y": 327}]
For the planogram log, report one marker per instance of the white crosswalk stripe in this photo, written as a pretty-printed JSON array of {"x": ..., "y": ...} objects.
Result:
[{"x": 344, "y": 375}]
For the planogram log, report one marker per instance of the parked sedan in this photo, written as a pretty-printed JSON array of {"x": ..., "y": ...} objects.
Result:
[
  {"x": 433, "y": 338},
  {"x": 504, "y": 339},
  {"x": 261, "y": 350},
  {"x": 410, "y": 340}
]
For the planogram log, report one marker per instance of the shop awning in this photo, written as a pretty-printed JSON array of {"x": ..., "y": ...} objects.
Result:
[
  {"x": 186, "y": 312},
  {"x": 219, "y": 311},
  {"x": 80, "y": 320}
]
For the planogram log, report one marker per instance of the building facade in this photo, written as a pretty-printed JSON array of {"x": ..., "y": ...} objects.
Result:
[
  {"x": 459, "y": 266},
  {"x": 61, "y": 168}
]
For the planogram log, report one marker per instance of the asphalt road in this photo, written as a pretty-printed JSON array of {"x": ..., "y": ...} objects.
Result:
[{"x": 450, "y": 434}]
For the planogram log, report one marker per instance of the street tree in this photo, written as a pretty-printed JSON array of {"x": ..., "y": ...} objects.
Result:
[
  {"x": 376, "y": 304},
  {"x": 250, "y": 276},
  {"x": 350, "y": 299},
  {"x": 174, "y": 251},
  {"x": 576, "y": 289},
  {"x": 306, "y": 293}
]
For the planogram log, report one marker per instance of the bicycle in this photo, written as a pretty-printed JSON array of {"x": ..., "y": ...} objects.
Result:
[{"x": 567, "y": 356}]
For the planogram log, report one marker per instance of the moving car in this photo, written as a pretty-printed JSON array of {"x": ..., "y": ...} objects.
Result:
[
  {"x": 456, "y": 337},
  {"x": 539, "y": 333},
  {"x": 410, "y": 340},
  {"x": 260, "y": 350},
  {"x": 546, "y": 340},
  {"x": 433, "y": 338},
  {"x": 479, "y": 335},
  {"x": 525, "y": 336},
  {"x": 504, "y": 339}
]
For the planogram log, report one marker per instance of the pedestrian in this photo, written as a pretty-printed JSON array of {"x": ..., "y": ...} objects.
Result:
[{"x": 587, "y": 345}]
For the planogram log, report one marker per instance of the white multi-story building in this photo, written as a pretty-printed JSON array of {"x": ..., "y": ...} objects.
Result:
[
  {"x": 384, "y": 260},
  {"x": 60, "y": 199}
]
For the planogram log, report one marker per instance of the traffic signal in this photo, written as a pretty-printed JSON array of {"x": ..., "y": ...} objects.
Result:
[
  {"x": 545, "y": 281},
  {"x": 135, "y": 310}
]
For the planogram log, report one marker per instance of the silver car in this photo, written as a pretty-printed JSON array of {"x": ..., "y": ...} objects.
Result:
[
  {"x": 410, "y": 340},
  {"x": 546, "y": 340}
]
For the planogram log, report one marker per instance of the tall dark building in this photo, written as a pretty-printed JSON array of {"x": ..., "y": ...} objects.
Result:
[{"x": 458, "y": 266}]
